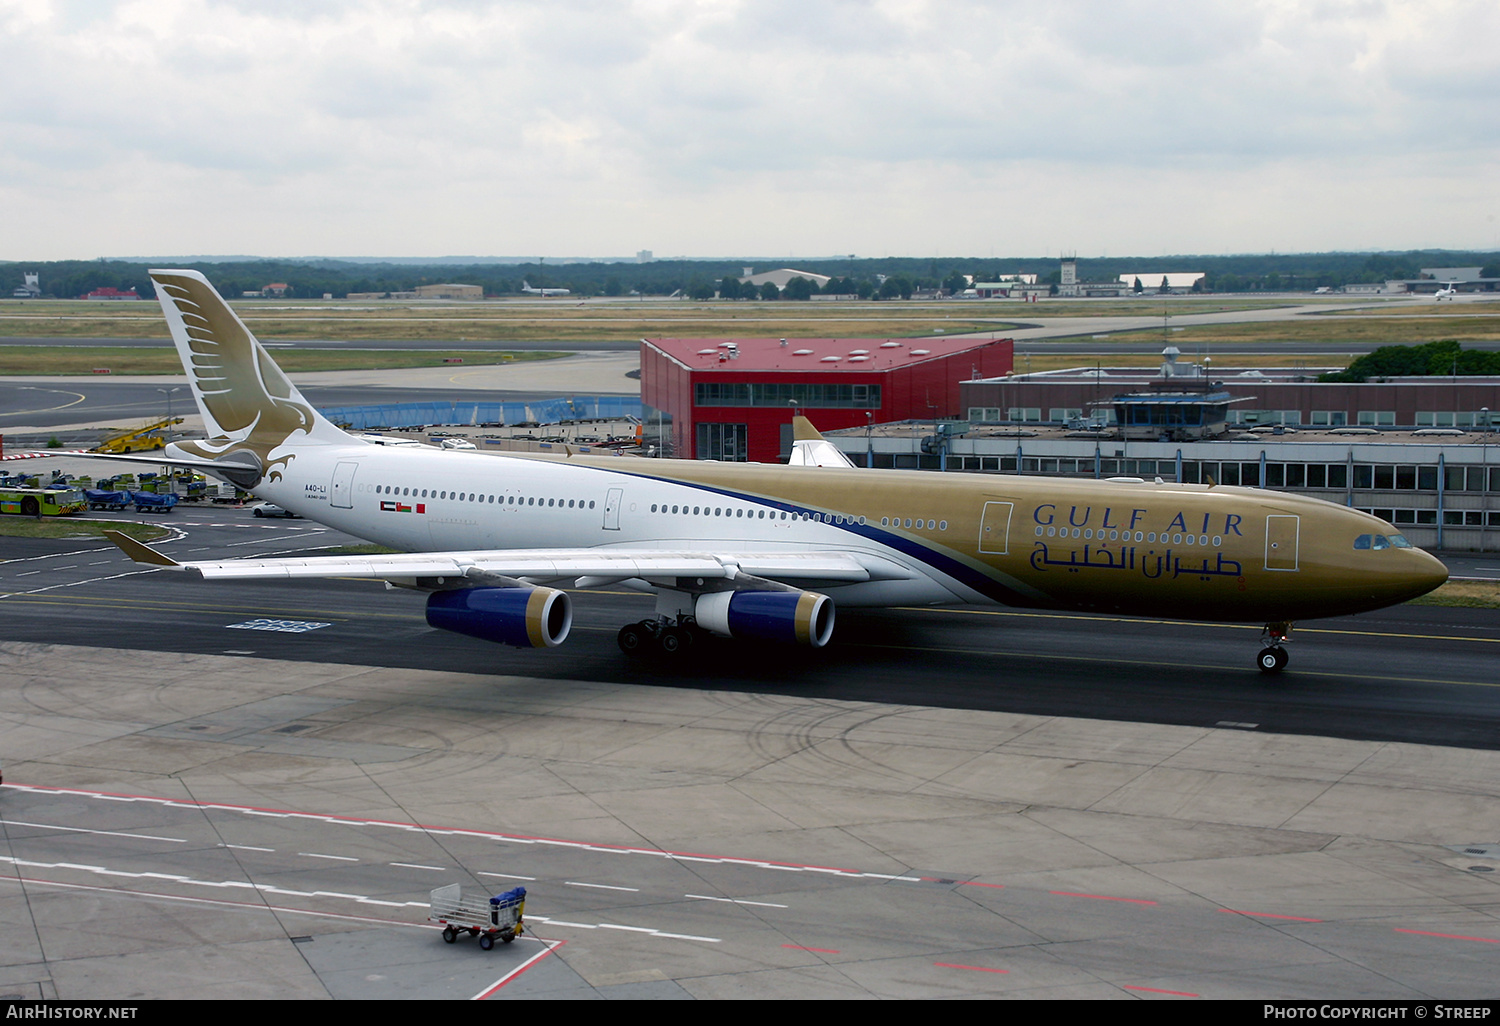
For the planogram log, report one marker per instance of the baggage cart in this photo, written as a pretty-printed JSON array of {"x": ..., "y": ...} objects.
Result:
[
  {"x": 149, "y": 502},
  {"x": 100, "y": 499},
  {"x": 486, "y": 918}
]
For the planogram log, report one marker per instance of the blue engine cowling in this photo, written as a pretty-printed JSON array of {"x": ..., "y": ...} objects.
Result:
[
  {"x": 523, "y": 617},
  {"x": 791, "y": 617}
]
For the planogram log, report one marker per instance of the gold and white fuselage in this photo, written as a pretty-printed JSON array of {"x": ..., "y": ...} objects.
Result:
[{"x": 755, "y": 551}]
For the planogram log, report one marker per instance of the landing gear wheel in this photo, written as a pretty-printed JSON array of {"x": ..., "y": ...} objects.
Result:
[
  {"x": 486, "y": 942},
  {"x": 633, "y": 639},
  {"x": 1272, "y": 659},
  {"x": 450, "y": 934},
  {"x": 674, "y": 640}
]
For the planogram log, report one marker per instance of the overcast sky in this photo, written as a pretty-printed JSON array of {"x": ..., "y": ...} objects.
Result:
[{"x": 765, "y": 127}]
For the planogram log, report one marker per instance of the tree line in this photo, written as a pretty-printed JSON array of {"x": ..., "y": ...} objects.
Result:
[
  {"x": 1435, "y": 359},
  {"x": 871, "y": 278}
]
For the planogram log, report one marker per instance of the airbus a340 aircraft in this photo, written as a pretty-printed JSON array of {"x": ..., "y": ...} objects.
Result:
[{"x": 753, "y": 551}]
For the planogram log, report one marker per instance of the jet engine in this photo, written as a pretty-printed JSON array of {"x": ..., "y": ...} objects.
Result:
[
  {"x": 524, "y": 617},
  {"x": 791, "y": 617}
]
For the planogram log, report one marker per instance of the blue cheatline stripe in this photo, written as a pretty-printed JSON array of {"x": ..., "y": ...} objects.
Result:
[{"x": 959, "y": 571}]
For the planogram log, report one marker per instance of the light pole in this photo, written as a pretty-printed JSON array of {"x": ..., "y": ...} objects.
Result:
[
  {"x": 168, "y": 393},
  {"x": 1484, "y": 473},
  {"x": 172, "y": 485}
]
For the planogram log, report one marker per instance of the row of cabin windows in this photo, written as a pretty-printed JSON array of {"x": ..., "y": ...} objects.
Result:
[
  {"x": 822, "y": 518},
  {"x": 503, "y": 500}
]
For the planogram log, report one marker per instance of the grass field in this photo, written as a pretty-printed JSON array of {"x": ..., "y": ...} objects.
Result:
[
  {"x": 563, "y": 322},
  {"x": 24, "y": 360},
  {"x": 568, "y": 321},
  {"x": 1430, "y": 308},
  {"x": 73, "y": 527},
  {"x": 1390, "y": 331},
  {"x": 1473, "y": 594}
]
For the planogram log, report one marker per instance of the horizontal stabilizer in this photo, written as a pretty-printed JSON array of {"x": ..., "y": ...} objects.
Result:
[{"x": 140, "y": 552}]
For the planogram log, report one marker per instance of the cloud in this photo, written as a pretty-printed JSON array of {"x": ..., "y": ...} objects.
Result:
[{"x": 732, "y": 124}]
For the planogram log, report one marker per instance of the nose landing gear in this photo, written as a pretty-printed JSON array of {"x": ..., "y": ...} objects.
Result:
[{"x": 1273, "y": 658}]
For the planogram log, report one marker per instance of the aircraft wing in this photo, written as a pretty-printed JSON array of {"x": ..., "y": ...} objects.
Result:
[{"x": 536, "y": 565}]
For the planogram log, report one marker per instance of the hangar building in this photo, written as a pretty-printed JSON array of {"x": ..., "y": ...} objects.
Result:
[{"x": 733, "y": 399}]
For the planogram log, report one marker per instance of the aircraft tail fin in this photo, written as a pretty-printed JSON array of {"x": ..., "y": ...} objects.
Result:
[
  {"x": 248, "y": 405},
  {"x": 811, "y": 449},
  {"x": 803, "y": 430}
]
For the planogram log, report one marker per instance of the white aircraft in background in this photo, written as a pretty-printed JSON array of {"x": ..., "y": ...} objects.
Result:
[
  {"x": 1449, "y": 290},
  {"x": 528, "y": 290},
  {"x": 752, "y": 551}
]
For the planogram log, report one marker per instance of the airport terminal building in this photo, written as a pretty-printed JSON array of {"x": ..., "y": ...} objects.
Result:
[
  {"x": 1419, "y": 453},
  {"x": 733, "y": 399}
]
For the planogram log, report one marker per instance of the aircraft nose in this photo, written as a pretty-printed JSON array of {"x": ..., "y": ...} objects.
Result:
[{"x": 1422, "y": 572}]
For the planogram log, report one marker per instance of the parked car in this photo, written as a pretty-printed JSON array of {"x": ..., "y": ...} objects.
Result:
[{"x": 270, "y": 509}]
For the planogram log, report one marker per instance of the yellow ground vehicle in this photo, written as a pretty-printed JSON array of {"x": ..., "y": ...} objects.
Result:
[
  {"x": 48, "y": 502},
  {"x": 142, "y": 439}
]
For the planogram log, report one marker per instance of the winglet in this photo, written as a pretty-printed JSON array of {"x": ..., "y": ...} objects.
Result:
[{"x": 141, "y": 553}]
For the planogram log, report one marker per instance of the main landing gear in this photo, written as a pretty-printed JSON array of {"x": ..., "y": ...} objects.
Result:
[
  {"x": 1273, "y": 657},
  {"x": 669, "y": 637}
]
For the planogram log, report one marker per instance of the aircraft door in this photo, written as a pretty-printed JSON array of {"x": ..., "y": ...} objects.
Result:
[
  {"x": 612, "y": 509},
  {"x": 1281, "y": 542},
  {"x": 994, "y": 528},
  {"x": 341, "y": 491}
]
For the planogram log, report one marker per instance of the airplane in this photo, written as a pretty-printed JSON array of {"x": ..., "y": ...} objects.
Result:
[
  {"x": 528, "y": 290},
  {"x": 757, "y": 552},
  {"x": 1448, "y": 291}
]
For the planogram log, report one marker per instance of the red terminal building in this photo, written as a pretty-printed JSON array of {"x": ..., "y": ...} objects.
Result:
[{"x": 733, "y": 399}]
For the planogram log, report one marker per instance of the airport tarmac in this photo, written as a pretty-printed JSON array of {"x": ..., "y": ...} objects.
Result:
[
  {"x": 212, "y": 810},
  {"x": 193, "y": 815},
  {"x": 189, "y": 826}
]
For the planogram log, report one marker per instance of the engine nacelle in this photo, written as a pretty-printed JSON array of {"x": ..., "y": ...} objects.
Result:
[
  {"x": 523, "y": 617},
  {"x": 790, "y": 617}
]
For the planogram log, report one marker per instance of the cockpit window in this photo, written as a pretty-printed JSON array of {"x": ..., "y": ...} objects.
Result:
[{"x": 1380, "y": 541}]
